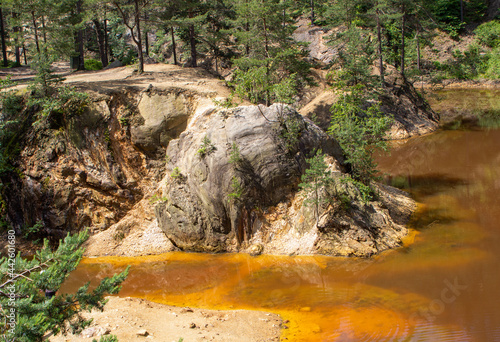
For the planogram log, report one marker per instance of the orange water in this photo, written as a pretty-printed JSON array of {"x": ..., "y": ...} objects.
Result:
[{"x": 444, "y": 286}]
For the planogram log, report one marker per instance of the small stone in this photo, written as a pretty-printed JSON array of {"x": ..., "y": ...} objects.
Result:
[
  {"x": 192, "y": 326},
  {"x": 142, "y": 332}
]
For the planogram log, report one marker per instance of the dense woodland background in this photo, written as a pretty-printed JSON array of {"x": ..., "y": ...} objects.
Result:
[{"x": 247, "y": 34}]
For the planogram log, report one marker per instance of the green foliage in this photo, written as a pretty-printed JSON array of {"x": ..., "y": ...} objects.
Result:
[
  {"x": 63, "y": 100},
  {"x": 492, "y": 66},
  {"x": 291, "y": 129},
  {"x": 237, "y": 189},
  {"x": 12, "y": 106},
  {"x": 119, "y": 236},
  {"x": 157, "y": 198},
  {"x": 45, "y": 80},
  {"x": 92, "y": 64},
  {"x": 360, "y": 128},
  {"x": 235, "y": 155},
  {"x": 124, "y": 121},
  {"x": 353, "y": 62},
  {"x": 176, "y": 173},
  {"x": 464, "y": 65},
  {"x": 118, "y": 43},
  {"x": 31, "y": 232},
  {"x": 107, "y": 338},
  {"x": 252, "y": 84},
  {"x": 270, "y": 82},
  {"x": 36, "y": 315},
  {"x": 225, "y": 103},
  {"x": 447, "y": 13},
  {"x": 314, "y": 179},
  {"x": 206, "y": 148},
  {"x": 271, "y": 66},
  {"x": 489, "y": 33},
  {"x": 365, "y": 191}
]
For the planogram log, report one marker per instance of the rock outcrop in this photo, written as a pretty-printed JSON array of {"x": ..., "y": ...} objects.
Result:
[
  {"x": 212, "y": 203},
  {"x": 151, "y": 169},
  {"x": 399, "y": 99},
  {"x": 91, "y": 168}
]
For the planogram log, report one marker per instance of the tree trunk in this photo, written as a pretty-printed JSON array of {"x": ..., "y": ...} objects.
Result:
[
  {"x": 36, "y": 31},
  {"x": 461, "y": 11},
  {"x": 24, "y": 54},
  {"x": 146, "y": 42},
  {"x": 79, "y": 39},
  {"x": 418, "y": 49},
  {"x": 44, "y": 31},
  {"x": 403, "y": 24},
  {"x": 101, "y": 42},
  {"x": 174, "y": 47},
  {"x": 380, "y": 56},
  {"x": 192, "y": 41},
  {"x": 140, "y": 69},
  {"x": 81, "y": 50},
  {"x": 312, "y": 12},
  {"x": 106, "y": 43},
  {"x": 266, "y": 40},
  {"x": 4, "y": 45},
  {"x": 17, "y": 31}
]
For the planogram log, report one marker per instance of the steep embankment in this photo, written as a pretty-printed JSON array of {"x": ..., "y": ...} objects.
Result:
[
  {"x": 106, "y": 168},
  {"x": 413, "y": 116}
]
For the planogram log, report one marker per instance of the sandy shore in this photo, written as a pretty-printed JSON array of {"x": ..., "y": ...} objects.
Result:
[{"x": 133, "y": 319}]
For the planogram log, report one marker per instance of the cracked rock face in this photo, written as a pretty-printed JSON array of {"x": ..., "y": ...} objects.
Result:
[
  {"x": 212, "y": 203},
  {"x": 201, "y": 211}
]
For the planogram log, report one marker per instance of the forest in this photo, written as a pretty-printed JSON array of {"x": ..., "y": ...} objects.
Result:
[{"x": 253, "y": 37}]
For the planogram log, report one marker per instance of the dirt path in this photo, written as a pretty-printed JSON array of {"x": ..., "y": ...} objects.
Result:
[
  {"x": 132, "y": 319},
  {"x": 157, "y": 75}
]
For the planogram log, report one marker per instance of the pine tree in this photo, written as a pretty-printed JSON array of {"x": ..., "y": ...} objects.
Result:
[
  {"x": 314, "y": 179},
  {"x": 131, "y": 12},
  {"x": 269, "y": 59},
  {"x": 360, "y": 131},
  {"x": 27, "y": 287}
]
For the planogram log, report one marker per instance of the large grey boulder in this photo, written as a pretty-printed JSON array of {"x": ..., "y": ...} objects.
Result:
[
  {"x": 212, "y": 204},
  {"x": 198, "y": 213}
]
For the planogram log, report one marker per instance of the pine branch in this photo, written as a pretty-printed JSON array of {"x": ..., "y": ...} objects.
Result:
[{"x": 22, "y": 274}]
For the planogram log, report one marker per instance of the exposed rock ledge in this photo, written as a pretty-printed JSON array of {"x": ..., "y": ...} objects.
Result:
[
  {"x": 197, "y": 213},
  {"x": 105, "y": 169}
]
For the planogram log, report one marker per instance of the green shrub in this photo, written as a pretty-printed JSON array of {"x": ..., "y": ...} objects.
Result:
[
  {"x": 489, "y": 33},
  {"x": 235, "y": 155},
  {"x": 92, "y": 64},
  {"x": 466, "y": 65},
  {"x": 176, "y": 173},
  {"x": 206, "y": 147},
  {"x": 107, "y": 338},
  {"x": 237, "y": 189},
  {"x": 360, "y": 131},
  {"x": 492, "y": 68}
]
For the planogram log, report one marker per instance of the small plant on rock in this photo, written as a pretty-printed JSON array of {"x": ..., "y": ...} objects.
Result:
[
  {"x": 235, "y": 155},
  {"x": 237, "y": 189},
  {"x": 176, "y": 173},
  {"x": 206, "y": 147}
]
